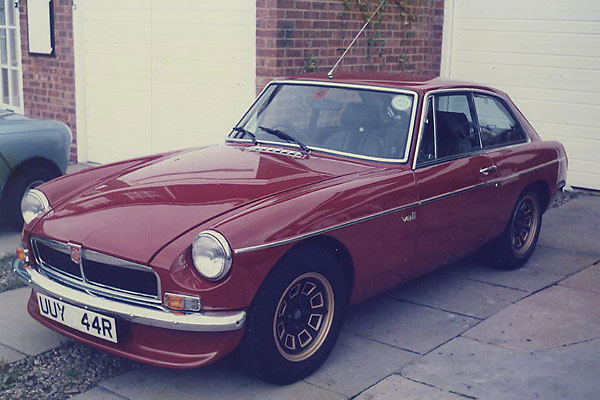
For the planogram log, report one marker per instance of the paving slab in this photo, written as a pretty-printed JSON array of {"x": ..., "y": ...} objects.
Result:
[
  {"x": 575, "y": 226},
  {"x": 222, "y": 380},
  {"x": 588, "y": 279},
  {"x": 553, "y": 317},
  {"x": 9, "y": 355},
  {"x": 396, "y": 387},
  {"x": 405, "y": 325},
  {"x": 546, "y": 267},
  {"x": 19, "y": 331},
  {"x": 456, "y": 294},
  {"x": 485, "y": 371},
  {"x": 98, "y": 393},
  {"x": 357, "y": 363}
]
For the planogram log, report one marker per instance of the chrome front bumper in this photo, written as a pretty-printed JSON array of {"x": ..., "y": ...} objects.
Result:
[{"x": 208, "y": 321}]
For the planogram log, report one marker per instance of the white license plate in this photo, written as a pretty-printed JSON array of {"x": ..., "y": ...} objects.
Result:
[{"x": 86, "y": 321}]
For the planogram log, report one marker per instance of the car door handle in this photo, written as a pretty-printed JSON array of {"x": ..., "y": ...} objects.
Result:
[{"x": 487, "y": 170}]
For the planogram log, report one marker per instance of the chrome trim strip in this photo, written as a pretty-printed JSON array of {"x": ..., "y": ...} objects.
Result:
[
  {"x": 321, "y": 231},
  {"x": 456, "y": 192},
  {"x": 208, "y": 321},
  {"x": 411, "y": 127},
  {"x": 526, "y": 171},
  {"x": 343, "y": 85},
  {"x": 393, "y": 210}
]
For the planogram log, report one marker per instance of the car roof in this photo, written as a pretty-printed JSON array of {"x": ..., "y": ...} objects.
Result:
[{"x": 418, "y": 83}]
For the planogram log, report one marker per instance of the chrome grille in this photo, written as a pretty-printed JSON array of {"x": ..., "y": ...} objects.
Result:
[{"x": 98, "y": 274}]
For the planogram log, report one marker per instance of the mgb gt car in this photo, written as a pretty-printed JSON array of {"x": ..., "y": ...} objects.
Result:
[{"x": 326, "y": 193}]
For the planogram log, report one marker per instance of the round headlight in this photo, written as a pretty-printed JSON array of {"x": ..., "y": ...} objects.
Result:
[
  {"x": 33, "y": 204},
  {"x": 212, "y": 255}
]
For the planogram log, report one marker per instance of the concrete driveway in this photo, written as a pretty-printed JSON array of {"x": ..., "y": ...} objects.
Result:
[
  {"x": 465, "y": 331},
  {"x": 9, "y": 238}
]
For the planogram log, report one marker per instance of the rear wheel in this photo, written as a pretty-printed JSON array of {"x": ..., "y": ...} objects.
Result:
[
  {"x": 512, "y": 249},
  {"x": 295, "y": 318},
  {"x": 23, "y": 181}
]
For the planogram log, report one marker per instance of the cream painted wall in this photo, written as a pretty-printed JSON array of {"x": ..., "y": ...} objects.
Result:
[
  {"x": 546, "y": 55},
  {"x": 153, "y": 76}
]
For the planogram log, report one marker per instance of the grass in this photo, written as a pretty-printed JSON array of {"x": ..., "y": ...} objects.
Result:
[{"x": 8, "y": 278}]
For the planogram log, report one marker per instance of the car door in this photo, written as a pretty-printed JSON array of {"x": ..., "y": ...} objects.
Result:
[
  {"x": 504, "y": 140},
  {"x": 455, "y": 182}
]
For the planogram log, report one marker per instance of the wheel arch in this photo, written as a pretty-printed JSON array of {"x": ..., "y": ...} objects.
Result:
[
  {"x": 542, "y": 189},
  {"x": 340, "y": 253},
  {"x": 333, "y": 247}
]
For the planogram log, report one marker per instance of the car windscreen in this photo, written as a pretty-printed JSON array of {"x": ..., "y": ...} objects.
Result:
[{"x": 349, "y": 120}]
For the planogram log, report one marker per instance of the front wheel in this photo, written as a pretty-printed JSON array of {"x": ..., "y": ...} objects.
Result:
[
  {"x": 295, "y": 318},
  {"x": 514, "y": 246}
]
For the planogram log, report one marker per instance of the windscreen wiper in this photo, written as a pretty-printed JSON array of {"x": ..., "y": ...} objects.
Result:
[
  {"x": 246, "y": 132},
  {"x": 286, "y": 137}
]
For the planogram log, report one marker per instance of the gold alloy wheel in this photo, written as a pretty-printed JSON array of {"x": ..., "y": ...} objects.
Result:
[
  {"x": 303, "y": 316},
  {"x": 524, "y": 225}
]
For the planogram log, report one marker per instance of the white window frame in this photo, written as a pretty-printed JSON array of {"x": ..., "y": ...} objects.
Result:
[{"x": 9, "y": 5}]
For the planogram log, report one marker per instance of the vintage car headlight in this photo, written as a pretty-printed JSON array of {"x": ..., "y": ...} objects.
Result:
[
  {"x": 33, "y": 204},
  {"x": 212, "y": 255}
]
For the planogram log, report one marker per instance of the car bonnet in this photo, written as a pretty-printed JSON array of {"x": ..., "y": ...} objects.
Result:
[{"x": 136, "y": 213}]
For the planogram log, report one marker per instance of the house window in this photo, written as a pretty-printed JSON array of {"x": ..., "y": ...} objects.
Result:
[{"x": 10, "y": 65}]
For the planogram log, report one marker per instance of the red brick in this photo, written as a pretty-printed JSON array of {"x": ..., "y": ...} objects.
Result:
[{"x": 49, "y": 81}]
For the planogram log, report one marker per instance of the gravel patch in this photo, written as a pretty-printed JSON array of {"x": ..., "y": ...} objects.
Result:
[
  {"x": 570, "y": 193},
  {"x": 60, "y": 373},
  {"x": 8, "y": 278}
]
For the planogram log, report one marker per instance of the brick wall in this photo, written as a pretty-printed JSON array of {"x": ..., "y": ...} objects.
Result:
[
  {"x": 49, "y": 81},
  {"x": 295, "y": 36}
]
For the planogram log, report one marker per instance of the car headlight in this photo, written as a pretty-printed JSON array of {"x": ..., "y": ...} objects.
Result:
[
  {"x": 33, "y": 204},
  {"x": 211, "y": 255}
]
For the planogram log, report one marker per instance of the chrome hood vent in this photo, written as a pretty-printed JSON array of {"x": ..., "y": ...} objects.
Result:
[{"x": 276, "y": 150}]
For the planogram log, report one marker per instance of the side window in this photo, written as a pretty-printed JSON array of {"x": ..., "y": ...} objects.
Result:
[
  {"x": 498, "y": 126},
  {"x": 455, "y": 133},
  {"x": 449, "y": 131}
]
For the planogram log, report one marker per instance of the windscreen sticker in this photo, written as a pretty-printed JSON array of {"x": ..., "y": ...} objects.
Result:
[
  {"x": 401, "y": 103},
  {"x": 319, "y": 94}
]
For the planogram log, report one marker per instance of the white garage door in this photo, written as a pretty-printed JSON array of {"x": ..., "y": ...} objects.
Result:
[
  {"x": 160, "y": 75},
  {"x": 546, "y": 55}
]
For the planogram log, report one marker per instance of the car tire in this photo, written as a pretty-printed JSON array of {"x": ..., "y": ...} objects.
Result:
[
  {"x": 296, "y": 317},
  {"x": 516, "y": 244},
  {"x": 23, "y": 181}
]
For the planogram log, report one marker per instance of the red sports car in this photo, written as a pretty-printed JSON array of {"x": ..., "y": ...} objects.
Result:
[{"x": 327, "y": 192}]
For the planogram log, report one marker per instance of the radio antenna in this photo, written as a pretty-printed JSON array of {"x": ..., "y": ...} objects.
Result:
[{"x": 330, "y": 73}]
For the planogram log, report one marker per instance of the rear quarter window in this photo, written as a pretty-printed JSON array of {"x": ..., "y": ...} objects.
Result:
[{"x": 498, "y": 127}]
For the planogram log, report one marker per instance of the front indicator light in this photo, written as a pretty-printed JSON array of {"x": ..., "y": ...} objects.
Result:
[
  {"x": 22, "y": 254},
  {"x": 182, "y": 302}
]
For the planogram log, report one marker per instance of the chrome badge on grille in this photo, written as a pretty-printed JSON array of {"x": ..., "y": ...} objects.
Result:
[{"x": 75, "y": 251}]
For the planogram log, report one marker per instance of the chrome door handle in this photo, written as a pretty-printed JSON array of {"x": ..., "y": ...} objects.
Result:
[{"x": 487, "y": 170}]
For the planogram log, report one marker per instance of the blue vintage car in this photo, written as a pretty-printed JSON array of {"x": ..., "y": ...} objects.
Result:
[{"x": 31, "y": 152}]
